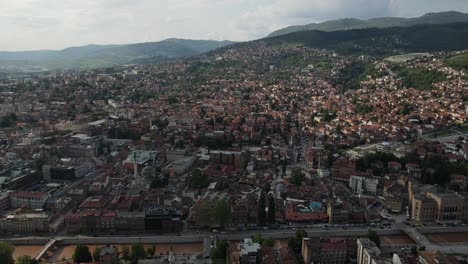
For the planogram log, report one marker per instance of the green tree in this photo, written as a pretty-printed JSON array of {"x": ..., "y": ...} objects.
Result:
[
  {"x": 97, "y": 254},
  {"x": 261, "y": 209},
  {"x": 199, "y": 179},
  {"x": 219, "y": 252},
  {"x": 372, "y": 236},
  {"x": 172, "y": 100},
  {"x": 138, "y": 251},
  {"x": 223, "y": 212},
  {"x": 82, "y": 254},
  {"x": 6, "y": 252},
  {"x": 297, "y": 176},
  {"x": 295, "y": 243},
  {"x": 269, "y": 242},
  {"x": 271, "y": 209},
  {"x": 125, "y": 253},
  {"x": 257, "y": 238},
  {"x": 25, "y": 259}
]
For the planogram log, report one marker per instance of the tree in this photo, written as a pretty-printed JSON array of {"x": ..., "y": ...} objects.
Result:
[
  {"x": 261, "y": 209},
  {"x": 97, "y": 254},
  {"x": 138, "y": 251},
  {"x": 25, "y": 259},
  {"x": 125, "y": 253},
  {"x": 222, "y": 212},
  {"x": 6, "y": 252},
  {"x": 269, "y": 242},
  {"x": 218, "y": 253},
  {"x": 151, "y": 251},
  {"x": 82, "y": 254},
  {"x": 372, "y": 235},
  {"x": 295, "y": 243},
  {"x": 271, "y": 209},
  {"x": 199, "y": 179},
  {"x": 297, "y": 176},
  {"x": 257, "y": 238}
]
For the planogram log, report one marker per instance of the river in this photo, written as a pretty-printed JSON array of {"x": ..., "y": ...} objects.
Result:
[{"x": 67, "y": 251}]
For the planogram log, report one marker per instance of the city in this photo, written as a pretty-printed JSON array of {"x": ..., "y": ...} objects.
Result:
[{"x": 257, "y": 152}]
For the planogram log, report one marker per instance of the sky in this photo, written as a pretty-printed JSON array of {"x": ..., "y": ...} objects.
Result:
[{"x": 57, "y": 24}]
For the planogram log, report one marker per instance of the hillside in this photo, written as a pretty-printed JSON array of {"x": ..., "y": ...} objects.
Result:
[
  {"x": 388, "y": 41},
  {"x": 384, "y": 22},
  {"x": 459, "y": 61},
  {"x": 94, "y": 56}
]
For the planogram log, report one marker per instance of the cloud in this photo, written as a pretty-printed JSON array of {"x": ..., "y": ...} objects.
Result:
[
  {"x": 292, "y": 12},
  {"x": 55, "y": 24}
]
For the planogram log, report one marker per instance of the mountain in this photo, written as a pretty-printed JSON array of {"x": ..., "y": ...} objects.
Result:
[
  {"x": 384, "y": 22},
  {"x": 94, "y": 56},
  {"x": 382, "y": 41}
]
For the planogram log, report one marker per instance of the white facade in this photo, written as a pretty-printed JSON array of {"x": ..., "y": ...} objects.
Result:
[
  {"x": 33, "y": 200},
  {"x": 356, "y": 183}
]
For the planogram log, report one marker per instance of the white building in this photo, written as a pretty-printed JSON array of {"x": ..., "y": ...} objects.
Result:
[
  {"x": 359, "y": 185},
  {"x": 250, "y": 252},
  {"x": 34, "y": 200},
  {"x": 368, "y": 252},
  {"x": 356, "y": 183}
]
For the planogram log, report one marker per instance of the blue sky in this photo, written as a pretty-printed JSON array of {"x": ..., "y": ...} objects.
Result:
[{"x": 56, "y": 24}]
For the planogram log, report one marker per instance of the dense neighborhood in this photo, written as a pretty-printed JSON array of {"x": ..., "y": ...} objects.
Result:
[{"x": 249, "y": 138}]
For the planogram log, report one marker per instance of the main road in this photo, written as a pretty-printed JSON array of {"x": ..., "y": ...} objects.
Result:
[{"x": 208, "y": 237}]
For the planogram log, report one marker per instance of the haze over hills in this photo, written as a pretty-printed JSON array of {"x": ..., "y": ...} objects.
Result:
[
  {"x": 94, "y": 56},
  {"x": 383, "y": 22}
]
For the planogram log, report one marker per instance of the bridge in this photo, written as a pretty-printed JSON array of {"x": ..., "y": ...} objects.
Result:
[{"x": 45, "y": 249}]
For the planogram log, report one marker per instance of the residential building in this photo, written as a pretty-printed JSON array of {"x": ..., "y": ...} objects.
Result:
[
  {"x": 33, "y": 200},
  {"x": 368, "y": 252},
  {"x": 250, "y": 252}
]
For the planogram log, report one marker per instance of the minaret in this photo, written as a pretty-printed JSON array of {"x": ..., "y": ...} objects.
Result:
[{"x": 135, "y": 167}]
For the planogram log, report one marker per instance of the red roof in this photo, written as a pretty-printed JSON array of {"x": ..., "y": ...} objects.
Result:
[{"x": 28, "y": 194}]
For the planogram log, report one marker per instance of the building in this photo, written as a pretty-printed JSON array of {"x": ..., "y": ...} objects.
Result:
[
  {"x": 337, "y": 212},
  {"x": 26, "y": 223},
  {"x": 18, "y": 179},
  {"x": 33, "y": 200},
  {"x": 311, "y": 250},
  {"x": 250, "y": 252},
  {"x": 423, "y": 208},
  {"x": 109, "y": 255},
  {"x": 65, "y": 173},
  {"x": 237, "y": 159},
  {"x": 4, "y": 201},
  {"x": 333, "y": 250},
  {"x": 162, "y": 220},
  {"x": 368, "y": 252},
  {"x": 140, "y": 158},
  {"x": 429, "y": 203},
  {"x": 449, "y": 207},
  {"x": 356, "y": 183},
  {"x": 435, "y": 257},
  {"x": 359, "y": 185},
  {"x": 130, "y": 222}
]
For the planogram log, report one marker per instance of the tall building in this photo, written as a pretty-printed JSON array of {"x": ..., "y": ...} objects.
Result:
[
  {"x": 368, "y": 252},
  {"x": 250, "y": 252}
]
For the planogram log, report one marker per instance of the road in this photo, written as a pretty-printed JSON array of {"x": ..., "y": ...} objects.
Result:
[{"x": 208, "y": 237}]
